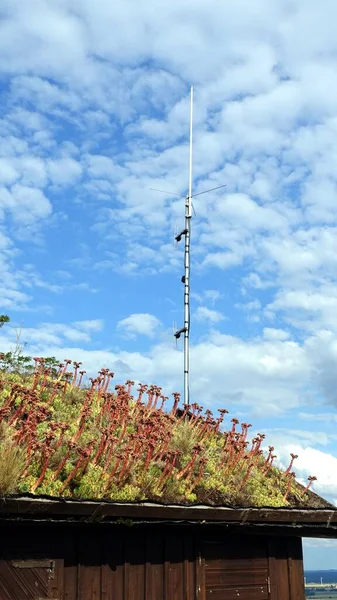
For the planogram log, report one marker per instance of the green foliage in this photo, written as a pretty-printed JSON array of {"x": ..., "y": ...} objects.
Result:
[
  {"x": 4, "y": 319},
  {"x": 23, "y": 365},
  {"x": 11, "y": 361}
]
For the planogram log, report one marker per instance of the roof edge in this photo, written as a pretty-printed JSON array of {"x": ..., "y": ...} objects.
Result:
[{"x": 35, "y": 508}]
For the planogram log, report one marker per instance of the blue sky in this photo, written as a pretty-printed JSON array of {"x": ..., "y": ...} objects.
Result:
[{"x": 94, "y": 113}]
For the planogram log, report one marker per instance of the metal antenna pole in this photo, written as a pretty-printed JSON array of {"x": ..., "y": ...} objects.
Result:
[
  {"x": 188, "y": 216},
  {"x": 187, "y": 262}
]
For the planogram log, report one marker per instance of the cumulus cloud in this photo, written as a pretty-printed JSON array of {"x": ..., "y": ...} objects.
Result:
[
  {"x": 64, "y": 171},
  {"x": 92, "y": 325},
  {"x": 8, "y": 173},
  {"x": 139, "y": 324},
  {"x": 311, "y": 461},
  {"x": 25, "y": 204},
  {"x": 270, "y": 333},
  {"x": 206, "y": 314},
  {"x": 58, "y": 334}
]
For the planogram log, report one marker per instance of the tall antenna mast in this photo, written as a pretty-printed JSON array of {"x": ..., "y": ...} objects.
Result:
[
  {"x": 188, "y": 217},
  {"x": 187, "y": 262}
]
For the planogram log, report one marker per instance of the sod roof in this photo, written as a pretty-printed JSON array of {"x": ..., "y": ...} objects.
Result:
[{"x": 61, "y": 438}]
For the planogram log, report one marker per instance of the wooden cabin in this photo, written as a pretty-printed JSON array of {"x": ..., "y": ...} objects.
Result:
[{"x": 87, "y": 550}]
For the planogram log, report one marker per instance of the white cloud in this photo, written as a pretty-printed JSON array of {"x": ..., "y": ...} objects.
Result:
[
  {"x": 312, "y": 461},
  {"x": 29, "y": 120},
  {"x": 54, "y": 335},
  {"x": 64, "y": 171},
  {"x": 323, "y": 417},
  {"x": 92, "y": 325},
  {"x": 250, "y": 306},
  {"x": 13, "y": 299},
  {"x": 25, "y": 204},
  {"x": 211, "y": 296},
  {"x": 224, "y": 260},
  {"x": 102, "y": 167},
  {"x": 8, "y": 174},
  {"x": 275, "y": 334},
  {"x": 139, "y": 324},
  {"x": 206, "y": 314},
  {"x": 33, "y": 172}
]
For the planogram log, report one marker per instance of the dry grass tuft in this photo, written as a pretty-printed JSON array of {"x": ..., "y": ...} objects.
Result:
[
  {"x": 184, "y": 438},
  {"x": 11, "y": 464}
]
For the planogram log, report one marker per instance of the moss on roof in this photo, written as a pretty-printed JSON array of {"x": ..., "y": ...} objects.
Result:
[{"x": 59, "y": 438}]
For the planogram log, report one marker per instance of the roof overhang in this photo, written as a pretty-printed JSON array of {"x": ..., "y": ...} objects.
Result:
[{"x": 315, "y": 522}]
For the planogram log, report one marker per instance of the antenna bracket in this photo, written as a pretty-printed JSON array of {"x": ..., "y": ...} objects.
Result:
[
  {"x": 180, "y": 235},
  {"x": 179, "y": 332}
]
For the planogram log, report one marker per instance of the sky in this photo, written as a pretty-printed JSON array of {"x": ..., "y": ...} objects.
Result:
[{"x": 94, "y": 114}]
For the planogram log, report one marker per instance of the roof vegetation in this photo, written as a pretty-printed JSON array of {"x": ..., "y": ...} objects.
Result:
[{"x": 59, "y": 437}]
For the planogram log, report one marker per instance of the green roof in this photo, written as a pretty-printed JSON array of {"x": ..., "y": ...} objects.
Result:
[{"x": 62, "y": 439}]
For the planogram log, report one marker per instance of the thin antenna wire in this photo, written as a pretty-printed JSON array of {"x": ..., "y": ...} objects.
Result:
[
  {"x": 194, "y": 195},
  {"x": 164, "y": 192},
  {"x": 211, "y": 190}
]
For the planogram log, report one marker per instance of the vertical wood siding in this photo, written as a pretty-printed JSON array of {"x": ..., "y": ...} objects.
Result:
[{"x": 153, "y": 563}]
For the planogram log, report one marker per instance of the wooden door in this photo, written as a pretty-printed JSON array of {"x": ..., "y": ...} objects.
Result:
[
  {"x": 26, "y": 579},
  {"x": 236, "y": 568},
  {"x": 30, "y": 567}
]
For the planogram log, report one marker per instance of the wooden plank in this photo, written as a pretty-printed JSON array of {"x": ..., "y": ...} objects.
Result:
[
  {"x": 230, "y": 578},
  {"x": 227, "y": 564},
  {"x": 154, "y": 567},
  {"x": 89, "y": 566},
  {"x": 31, "y": 564},
  {"x": 56, "y": 582},
  {"x": 113, "y": 568},
  {"x": 295, "y": 567},
  {"x": 174, "y": 576},
  {"x": 200, "y": 569},
  {"x": 254, "y": 593},
  {"x": 108, "y": 567},
  {"x": 70, "y": 568},
  {"x": 278, "y": 569},
  {"x": 3, "y": 588},
  {"x": 189, "y": 568},
  {"x": 135, "y": 561},
  {"x": 9, "y": 587},
  {"x": 54, "y": 544}
]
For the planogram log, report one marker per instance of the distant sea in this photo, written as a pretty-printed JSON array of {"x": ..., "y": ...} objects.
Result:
[{"x": 315, "y": 576}]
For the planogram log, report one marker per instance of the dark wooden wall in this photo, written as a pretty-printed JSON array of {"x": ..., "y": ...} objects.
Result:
[{"x": 73, "y": 562}]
